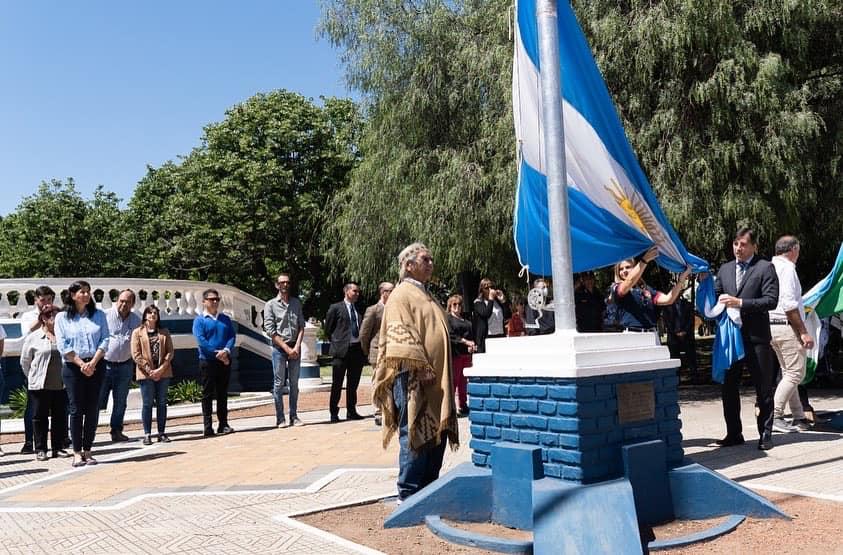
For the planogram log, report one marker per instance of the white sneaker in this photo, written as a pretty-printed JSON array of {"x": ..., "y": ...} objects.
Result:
[{"x": 781, "y": 425}]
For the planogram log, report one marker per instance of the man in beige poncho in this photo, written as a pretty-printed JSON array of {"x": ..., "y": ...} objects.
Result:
[{"x": 413, "y": 383}]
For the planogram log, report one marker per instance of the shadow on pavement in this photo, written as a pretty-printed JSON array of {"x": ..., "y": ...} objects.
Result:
[
  {"x": 14, "y": 473},
  {"x": 785, "y": 469},
  {"x": 146, "y": 457},
  {"x": 724, "y": 457}
]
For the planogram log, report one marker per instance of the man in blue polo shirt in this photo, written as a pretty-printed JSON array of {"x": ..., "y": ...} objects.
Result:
[{"x": 215, "y": 335}]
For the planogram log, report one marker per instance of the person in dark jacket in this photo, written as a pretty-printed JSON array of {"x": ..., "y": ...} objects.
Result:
[
  {"x": 491, "y": 312},
  {"x": 462, "y": 347}
]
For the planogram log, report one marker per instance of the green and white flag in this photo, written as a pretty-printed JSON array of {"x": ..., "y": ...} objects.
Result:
[{"x": 823, "y": 300}]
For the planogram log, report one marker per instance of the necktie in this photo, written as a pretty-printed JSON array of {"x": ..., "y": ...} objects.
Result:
[
  {"x": 355, "y": 329},
  {"x": 739, "y": 276}
]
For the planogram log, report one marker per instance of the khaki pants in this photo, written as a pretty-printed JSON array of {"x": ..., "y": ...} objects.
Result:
[{"x": 792, "y": 358}]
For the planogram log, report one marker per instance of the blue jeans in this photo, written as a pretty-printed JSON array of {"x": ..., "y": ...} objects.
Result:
[
  {"x": 285, "y": 369},
  {"x": 157, "y": 391},
  {"x": 415, "y": 469},
  {"x": 117, "y": 378}
]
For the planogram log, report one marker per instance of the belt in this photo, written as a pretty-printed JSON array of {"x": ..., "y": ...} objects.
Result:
[{"x": 779, "y": 323}]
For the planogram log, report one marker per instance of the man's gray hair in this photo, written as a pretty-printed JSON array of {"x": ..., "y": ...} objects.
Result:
[
  {"x": 409, "y": 254},
  {"x": 786, "y": 243}
]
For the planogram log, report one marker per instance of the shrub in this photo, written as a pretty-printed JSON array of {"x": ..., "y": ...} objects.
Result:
[
  {"x": 188, "y": 391},
  {"x": 17, "y": 402}
]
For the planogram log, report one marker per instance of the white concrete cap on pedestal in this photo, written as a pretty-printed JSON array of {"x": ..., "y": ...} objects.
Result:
[{"x": 568, "y": 354}]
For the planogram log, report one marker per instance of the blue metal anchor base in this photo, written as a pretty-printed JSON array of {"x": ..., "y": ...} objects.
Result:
[{"x": 570, "y": 517}]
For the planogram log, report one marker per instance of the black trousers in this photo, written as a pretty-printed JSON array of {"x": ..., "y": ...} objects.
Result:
[
  {"x": 46, "y": 404},
  {"x": 759, "y": 357},
  {"x": 352, "y": 363},
  {"x": 83, "y": 393},
  {"x": 214, "y": 377},
  {"x": 683, "y": 348}
]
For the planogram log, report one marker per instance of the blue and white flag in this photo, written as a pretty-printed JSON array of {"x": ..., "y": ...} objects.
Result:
[
  {"x": 728, "y": 343},
  {"x": 613, "y": 212}
]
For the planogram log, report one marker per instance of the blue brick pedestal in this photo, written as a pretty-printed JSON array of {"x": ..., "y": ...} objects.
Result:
[
  {"x": 573, "y": 420},
  {"x": 577, "y": 437}
]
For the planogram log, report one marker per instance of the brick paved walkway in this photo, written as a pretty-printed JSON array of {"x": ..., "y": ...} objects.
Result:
[{"x": 234, "y": 494}]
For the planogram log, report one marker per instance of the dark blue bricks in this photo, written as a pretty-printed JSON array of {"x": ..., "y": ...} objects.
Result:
[{"x": 574, "y": 421}]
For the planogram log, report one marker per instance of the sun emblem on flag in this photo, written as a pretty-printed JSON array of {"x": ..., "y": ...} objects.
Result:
[{"x": 638, "y": 212}]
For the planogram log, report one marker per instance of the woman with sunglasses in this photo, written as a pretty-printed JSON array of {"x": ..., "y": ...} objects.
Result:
[
  {"x": 152, "y": 351},
  {"x": 491, "y": 313},
  {"x": 82, "y": 339},
  {"x": 462, "y": 346},
  {"x": 41, "y": 363},
  {"x": 632, "y": 303}
]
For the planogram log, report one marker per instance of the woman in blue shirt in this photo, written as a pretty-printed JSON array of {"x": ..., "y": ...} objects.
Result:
[
  {"x": 631, "y": 305},
  {"x": 82, "y": 339}
]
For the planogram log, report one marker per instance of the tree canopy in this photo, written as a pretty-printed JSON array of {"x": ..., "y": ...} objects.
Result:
[{"x": 733, "y": 107}]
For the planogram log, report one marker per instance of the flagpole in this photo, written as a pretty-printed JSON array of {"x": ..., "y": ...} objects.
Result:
[{"x": 554, "y": 140}]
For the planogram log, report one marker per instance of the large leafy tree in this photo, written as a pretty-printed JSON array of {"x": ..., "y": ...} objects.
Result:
[
  {"x": 733, "y": 107},
  {"x": 57, "y": 232},
  {"x": 248, "y": 202},
  {"x": 437, "y": 148}
]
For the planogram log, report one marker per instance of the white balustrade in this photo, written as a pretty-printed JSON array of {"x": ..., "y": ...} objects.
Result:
[{"x": 175, "y": 298}]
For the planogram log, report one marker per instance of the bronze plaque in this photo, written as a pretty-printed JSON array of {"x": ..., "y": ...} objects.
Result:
[{"x": 636, "y": 401}]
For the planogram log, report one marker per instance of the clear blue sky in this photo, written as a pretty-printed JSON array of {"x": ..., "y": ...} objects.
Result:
[{"x": 98, "y": 89}]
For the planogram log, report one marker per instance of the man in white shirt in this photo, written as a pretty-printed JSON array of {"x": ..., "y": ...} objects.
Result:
[
  {"x": 790, "y": 338},
  {"x": 119, "y": 365}
]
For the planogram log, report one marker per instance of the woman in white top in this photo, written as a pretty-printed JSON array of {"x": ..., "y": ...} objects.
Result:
[{"x": 41, "y": 363}]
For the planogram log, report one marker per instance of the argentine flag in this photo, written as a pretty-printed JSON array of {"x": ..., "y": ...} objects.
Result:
[
  {"x": 613, "y": 212},
  {"x": 728, "y": 343}
]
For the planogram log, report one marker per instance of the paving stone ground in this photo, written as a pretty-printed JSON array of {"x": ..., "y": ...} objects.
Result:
[{"x": 235, "y": 493}]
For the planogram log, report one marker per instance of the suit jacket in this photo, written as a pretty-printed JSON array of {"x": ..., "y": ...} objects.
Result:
[
  {"x": 759, "y": 293},
  {"x": 338, "y": 328},
  {"x": 370, "y": 332},
  {"x": 142, "y": 353}
]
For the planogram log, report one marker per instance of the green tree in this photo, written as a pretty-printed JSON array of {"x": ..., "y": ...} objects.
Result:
[
  {"x": 438, "y": 153},
  {"x": 56, "y": 232},
  {"x": 248, "y": 202},
  {"x": 732, "y": 106}
]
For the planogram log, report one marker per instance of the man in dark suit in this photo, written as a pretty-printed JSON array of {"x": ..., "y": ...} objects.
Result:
[
  {"x": 342, "y": 324},
  {"x": 750, "y": 284},
  {"x": 371, "y": 327}
]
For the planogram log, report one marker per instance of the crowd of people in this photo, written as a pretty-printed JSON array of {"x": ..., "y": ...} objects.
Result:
[{"x": 75, "y": 357}]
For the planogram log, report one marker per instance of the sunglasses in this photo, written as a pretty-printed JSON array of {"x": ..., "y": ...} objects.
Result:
[{"x": 212, "y": 299}]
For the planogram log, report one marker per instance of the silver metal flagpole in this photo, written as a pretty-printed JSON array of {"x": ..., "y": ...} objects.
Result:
[{"x": 557, "y": 191}]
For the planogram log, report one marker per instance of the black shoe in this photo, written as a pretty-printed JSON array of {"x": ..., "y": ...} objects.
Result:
[
  {"x": 730, "y": 441},
  {"x": 162, "y": 438},
  {"x": 335, "y": 419},
  {"x": 765, "y": 443},
  {"x": 353, "y": 416},
  {"x": 224, "y": 430},
  {"x": 147, "y": 439},
  {"x": 61, "y": 454},
  {"x": 209, "y": 432},
  {"x": 117, "y": 437},
  {"x": 27, "y": 449},
  {"x": 41, "y": 456}
]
